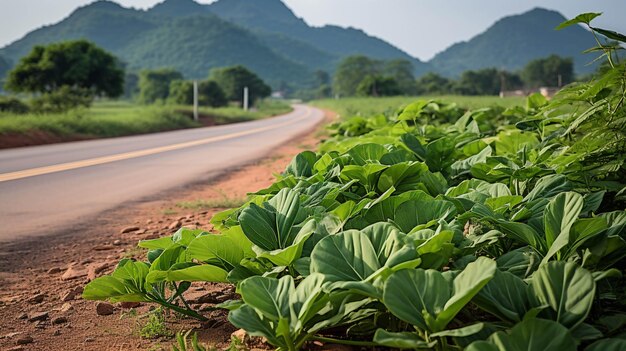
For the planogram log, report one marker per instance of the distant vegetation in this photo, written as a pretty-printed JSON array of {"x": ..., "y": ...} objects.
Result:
[
  {"x": 154, "y": 85},
  {"x": 370, "y": 77},
  {"x": 363, "y": 76},
  {"x": 209, "y": 93},
  {"x": 365, "y": 106},
  {"x": 234, "y": 79}
]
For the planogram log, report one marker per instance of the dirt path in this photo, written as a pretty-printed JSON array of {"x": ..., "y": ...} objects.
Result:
[{"x": 41, "y": 279}]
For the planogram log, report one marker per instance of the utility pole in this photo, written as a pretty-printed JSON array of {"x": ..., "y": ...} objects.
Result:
[
  {"x": 245, "y": 98},
  {"x": 195, "y": 100},
  {"x": 502, "y": 84}
]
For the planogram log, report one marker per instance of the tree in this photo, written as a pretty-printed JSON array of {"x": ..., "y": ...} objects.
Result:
[
  {"x": 510, "y": 81},
  {"x": 233, "y": 79},
  {"x": 482, "y": 82},
  {"x": 209, "y": 93},
  {"x": 402, "y": 72},
  {"x": 376, "y": 85},
  {"x": 433, "y": 84},
  {"x": 351, "y": 71},
  {"x": 80, "y": 65},
  {"x": 131, "y": 85},
  {"x": 154, "y": 85},
  {"x": 181, "y": 92},
  {"x": 321, "y": 78},
  {"x": 546, "y": 72}
]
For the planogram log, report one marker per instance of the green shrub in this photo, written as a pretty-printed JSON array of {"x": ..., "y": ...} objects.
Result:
[
  {"x": 62, "y": 100},
  {"x": 13, "y": 105}
]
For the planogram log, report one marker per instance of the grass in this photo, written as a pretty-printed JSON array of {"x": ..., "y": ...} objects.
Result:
[
  {"x": 371, "y": 106},
  {"x": 155, "y": 327},
  {"x": 212, "y": 203},
  {"x": 223, "y": 115},
  {"x": 224, "y": 201},
  {"x": 119, "y": 118},
  {"x": 169, "y": 212}
]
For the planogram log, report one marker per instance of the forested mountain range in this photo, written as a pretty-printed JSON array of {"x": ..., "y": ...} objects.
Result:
[{"x": 270, "y": 39}]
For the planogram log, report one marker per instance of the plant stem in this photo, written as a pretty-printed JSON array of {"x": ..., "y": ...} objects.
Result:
[
  {"x": 185, "y": 311},
  {"x": 343, "y": 342}
]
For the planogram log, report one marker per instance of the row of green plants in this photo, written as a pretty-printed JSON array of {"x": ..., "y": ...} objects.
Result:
[{"x": 431, "y": 228}]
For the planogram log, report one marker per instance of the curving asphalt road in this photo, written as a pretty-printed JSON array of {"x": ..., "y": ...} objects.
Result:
[{"x": 44, "y": 189}]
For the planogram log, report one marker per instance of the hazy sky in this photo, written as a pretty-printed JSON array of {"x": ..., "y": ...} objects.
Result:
[{"x": 420, "y": 27}]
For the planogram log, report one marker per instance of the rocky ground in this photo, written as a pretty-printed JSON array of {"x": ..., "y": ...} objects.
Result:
[{"x": 41, "y": 280}]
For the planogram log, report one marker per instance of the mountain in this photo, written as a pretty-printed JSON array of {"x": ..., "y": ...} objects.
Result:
[
  {"x": 271, "y": 19},
  {"x": 513, "y": 41},
  {"x": 5, "y": 66},
  {"x": 178, "y": 8},
  {"x": 268, "y": 37}
]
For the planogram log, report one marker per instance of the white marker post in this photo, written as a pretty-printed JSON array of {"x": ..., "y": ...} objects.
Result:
[
  {"x": 245, "y": 98},
  {"x": 195, "y": 100}
]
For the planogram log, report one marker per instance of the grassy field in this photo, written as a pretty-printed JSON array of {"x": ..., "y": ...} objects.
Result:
[
  {"x": 371, "y": 106},
  {"x": 118, "y": 118}
]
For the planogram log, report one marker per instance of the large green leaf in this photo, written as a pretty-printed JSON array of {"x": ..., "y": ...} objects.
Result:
[
  {"x": 608, "y": 345},
  {"x": 521, "y": 262},
  {"x": 224, "y": 250},
  {"x": 530, "y": 335},
  {"x": 505, "y": 296},
  {"x": 367, "y": 153},
  {"x": 302, "y": 164},
  {"x": 509, "y": 142},
  {"x": 267, "y": 295},
  {"x": 582, "y": 231},
  {"x": 410, "y": 214},
  {"x": 401, "y": 176},
  {"x": 408, "y": 294},
  {"x": 466, "y": 285},
  {"x": 366, "y": 175},
  {"x": 126, "y": 283},
  {"x": 355, "y": 256},
  {"x": 280, "y": 308},
  {"x": 276, "y": 224},
  {"x": 522, "y": 233},
  {"x": 585, "y": 18},
  {"x": 567, "y": 289},
  {"x": 559, "y": 216},
  {"x": 611, "y": 34},
  {"x": 549, "y": 186},
  {"x": 286, "y": 256}
]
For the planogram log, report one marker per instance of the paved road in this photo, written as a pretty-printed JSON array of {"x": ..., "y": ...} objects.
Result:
[{"x": 44, "y": 189}]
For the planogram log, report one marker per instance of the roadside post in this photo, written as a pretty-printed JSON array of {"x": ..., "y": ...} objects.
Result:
[
  {"x": 195, "y": 100},
  {"x": 245, "y": 98}
]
